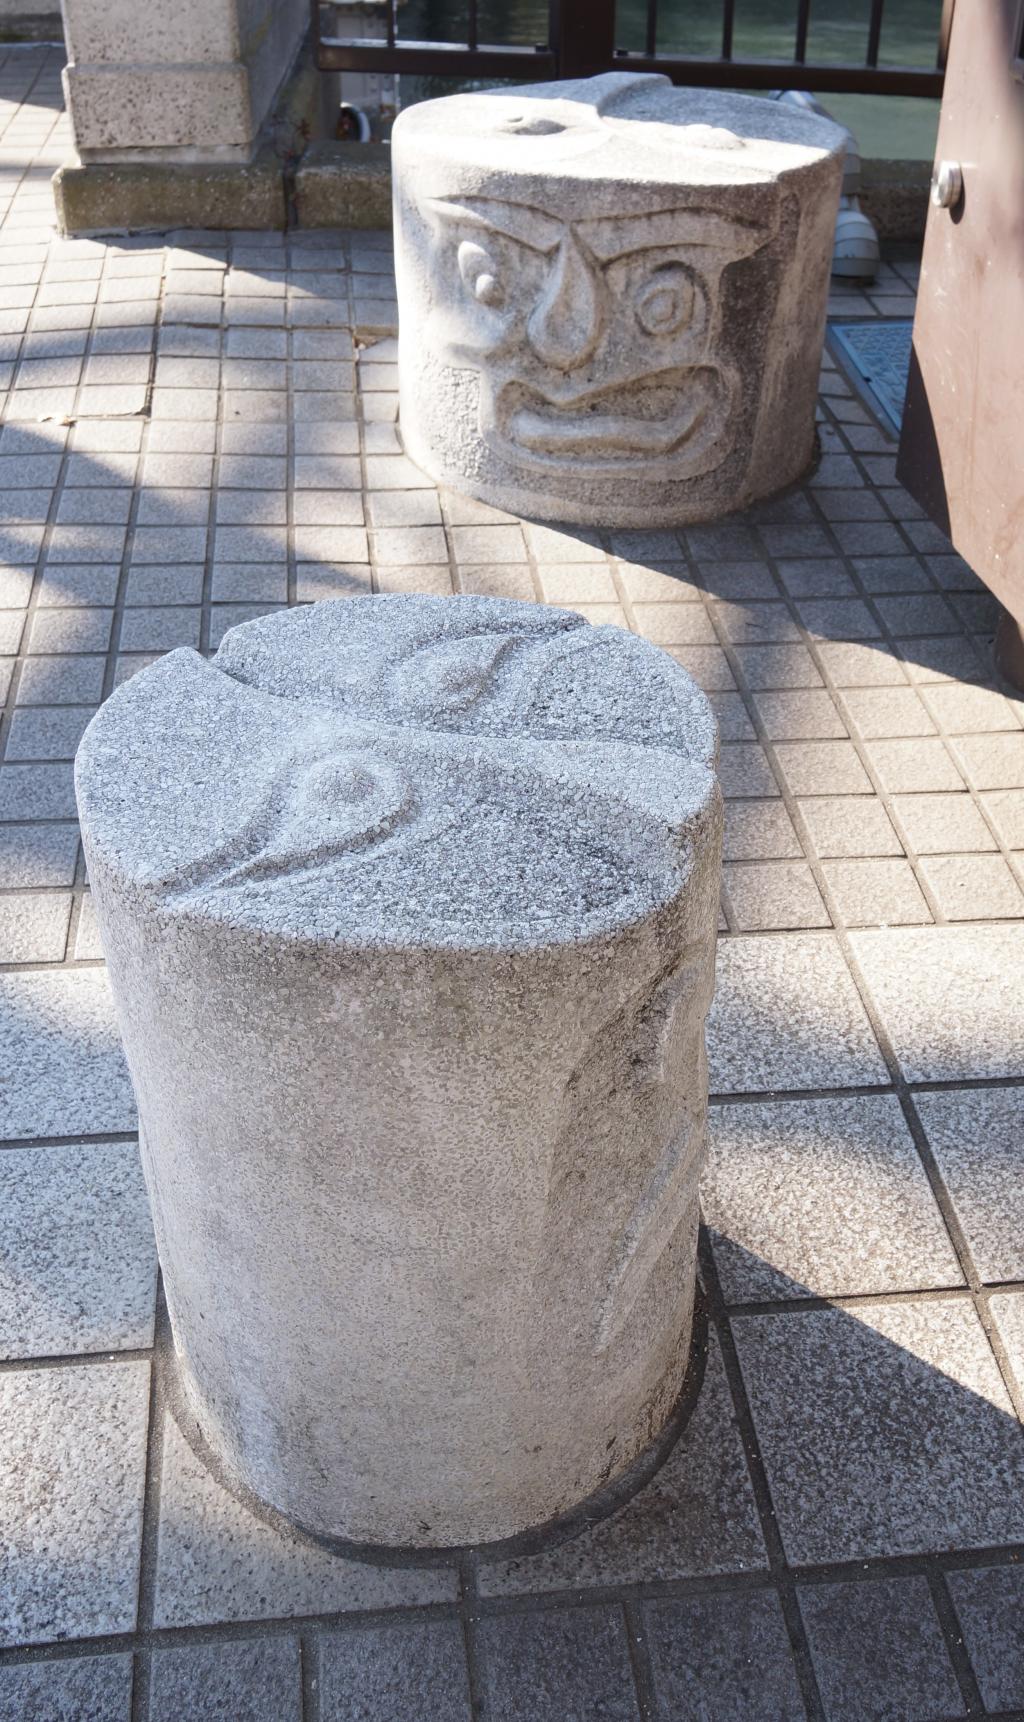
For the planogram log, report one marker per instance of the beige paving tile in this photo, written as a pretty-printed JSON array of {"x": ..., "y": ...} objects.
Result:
[
  {"x": 939, "y": 824},
  {"x": 1005, "y": 807},
  {"x": 992, "y": 761},
  {"x": 759, "y": 831},
  {"x": 973, "y": 887},
  {"x": 577, "y": 583},
  {"x": 949, "y": 997},
  {"x": 888, "y": 712},
  {"x": 799, "y": 714},
  {"x": 821, "y": 1198},
  {"x": 845, "y": 825},
  {"x": 914, "y": 765},
  {"x": 766, "y": 896},
  {"x": 962, "y": 709},
  {"x": 674, "y": 624},
  {"x": 876, "y": 893},
  {"x": 823, "y": 768}
]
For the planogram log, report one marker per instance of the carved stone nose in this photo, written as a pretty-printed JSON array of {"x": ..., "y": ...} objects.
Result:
[{"x": 566, "y": 322}]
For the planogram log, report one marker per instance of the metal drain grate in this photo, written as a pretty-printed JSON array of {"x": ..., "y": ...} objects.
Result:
[{"x": 878, "y": 357}]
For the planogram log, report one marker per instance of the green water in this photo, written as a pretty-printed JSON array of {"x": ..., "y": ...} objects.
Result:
[{"x": 894, "y": 126}]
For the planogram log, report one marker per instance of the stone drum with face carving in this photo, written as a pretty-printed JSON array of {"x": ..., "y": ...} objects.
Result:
[
  {"x": 612, "y": 295},
  {"x": 409, "y": 906}
]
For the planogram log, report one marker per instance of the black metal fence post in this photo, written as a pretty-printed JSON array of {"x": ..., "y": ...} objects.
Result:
[{"x": 582, "y": 35}]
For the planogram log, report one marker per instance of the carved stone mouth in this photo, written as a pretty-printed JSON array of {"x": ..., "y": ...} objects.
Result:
[{"x": 653, "y": 415}]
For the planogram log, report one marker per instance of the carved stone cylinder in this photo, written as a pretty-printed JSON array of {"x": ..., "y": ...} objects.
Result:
[
  {"x": 612, "y": 295},
  {"x": 409, "y": 906}
]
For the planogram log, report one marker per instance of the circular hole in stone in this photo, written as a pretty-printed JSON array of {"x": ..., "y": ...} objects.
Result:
[{"x": 526, "y": 127}]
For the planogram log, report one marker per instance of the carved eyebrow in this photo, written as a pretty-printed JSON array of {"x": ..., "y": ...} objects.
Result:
[
  {"x": 531, "y": 227},
  {"x": 699, "y": 230}
]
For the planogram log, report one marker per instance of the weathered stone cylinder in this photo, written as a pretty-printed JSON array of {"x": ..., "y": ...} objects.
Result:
[
  {"x": 612, "y": 295},
  {"x": 409, "y": 906}
]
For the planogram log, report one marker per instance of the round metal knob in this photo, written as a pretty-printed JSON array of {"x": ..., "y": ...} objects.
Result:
[{"x": 947, "y": 184}]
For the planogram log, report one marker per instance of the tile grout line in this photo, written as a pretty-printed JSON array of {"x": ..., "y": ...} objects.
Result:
[
  {"x": 639, "y": 1651},
  {"x": 892, "y": 640},
  {"x": 956, "y": 1650},
  {"x": 778, "y": 1564}
]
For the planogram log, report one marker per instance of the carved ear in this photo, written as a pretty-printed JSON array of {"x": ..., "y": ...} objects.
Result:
[{"x": 531, "y": 227}]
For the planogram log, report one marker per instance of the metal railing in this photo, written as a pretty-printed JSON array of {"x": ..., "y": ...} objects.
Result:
[{"x": 581, "y": 40}]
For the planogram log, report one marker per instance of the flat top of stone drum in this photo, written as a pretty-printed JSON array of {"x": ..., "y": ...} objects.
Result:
[
  {"x": 405, "y": 771},
  {"x": 628, "y": 126}
]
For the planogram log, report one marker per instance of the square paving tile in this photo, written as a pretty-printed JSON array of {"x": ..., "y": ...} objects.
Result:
[
  {"x": 884, "y": 712},
  {"x": 216, "y": 1561},
  {"x": 774, "y": 894},
  {"x": 973, "y": 887},
  {"x": 1007, "y": 1312},
  {"x": 884, "y": 1431},
  {"x": 787, "y": 1015},
  {"x": 941, "y": 824},
  {"x": 992, "y": 761},
  {"x": 399, "y": 1673},
  {"x": 34, "y": 927},
  {"x": 568, "y": 1665},
  {"x": 949, "y": 997},
  {"x": 977, "y": 1138},
  {"x": 37, "y": 855},
  {"x": 254, "y": 1680},
  {"x": 821, "y": 1198},
  {"x": 848, "y": 825},
  {"x": 823, "y": 768},
  {"x": 1005, "y": 808},
  {"x": 878, "y": 892},
  {"x": 73, "y": 1689},
  {"x": 759, "y": 830},
  {"x": 77, "y": 1257},
  {"x": 989, "y": 1602},
  {"x": 913, "y": 765},
  {"x": 743, "y": 770},
  {"x": 725, "y": 1658},
  {"x": 878, "y": 1652},
  {"x": 62, "y": 1071},
  {"x": 72, "y": 1468},
  {"x": 799, "y": 714},
  {"x": 695, "y": 1517}
]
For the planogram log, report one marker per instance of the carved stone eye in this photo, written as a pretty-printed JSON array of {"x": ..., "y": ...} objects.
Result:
[
  {"x": 477, "y": 269},
  {"x": 665, "y": 301}
]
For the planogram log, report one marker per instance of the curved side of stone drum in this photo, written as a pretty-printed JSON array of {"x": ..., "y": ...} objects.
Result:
[
  {"x": 410, "y": 906},
  {"x": 612, "y": 295}
]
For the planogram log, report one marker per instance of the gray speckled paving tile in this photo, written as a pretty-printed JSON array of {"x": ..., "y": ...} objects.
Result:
[
  {"x": 72, "y": 1469},
  {"x": 1007, "y": 1311},
  {"x": 787, "y": 1015},
  {"x": 989, "y": 1602},
  {"x": 723, "y": 1659},
  {"x": 878, "y": 1652},
  {"x": 571, "y": 1665},
  {"x": 254, "y": 1680},
  {"x": 74, "y": 1689},
  {"x": 77, "y": 1257},
  {"x": 216, "y": 1561},
  {"x": 62, "y": 1071},
  {"x": 696, "y": 1516},
  {"x": 821, "y": 1198},
  {"x": 34, "y": 926},
  {"x": 950, "y": 997},
  {"x": 394, "y": 1674},
  {"x": 884, "y": 1432},
  {"x": 977, "y": 1137}
]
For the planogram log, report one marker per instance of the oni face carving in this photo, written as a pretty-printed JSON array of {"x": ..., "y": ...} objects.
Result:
[{"x": 594, "y": 338}]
